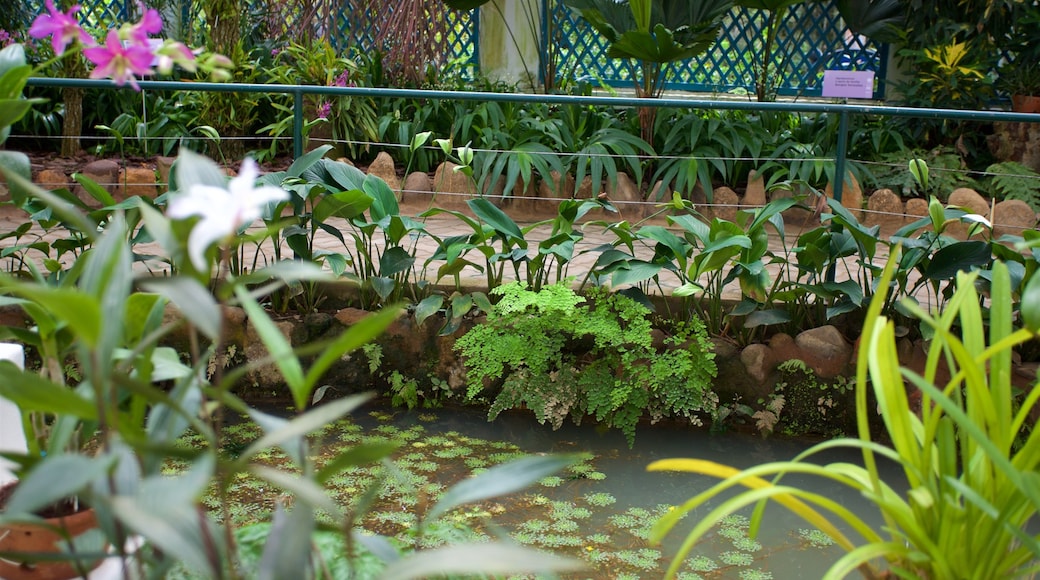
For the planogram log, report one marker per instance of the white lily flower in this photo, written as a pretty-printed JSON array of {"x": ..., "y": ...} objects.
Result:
[
  {"x": 224, "y": 211},
  {"x": 978, "y": 219}
]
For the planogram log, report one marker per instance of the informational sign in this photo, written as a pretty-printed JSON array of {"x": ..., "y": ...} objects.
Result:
[{"x": 849, "y": 84}]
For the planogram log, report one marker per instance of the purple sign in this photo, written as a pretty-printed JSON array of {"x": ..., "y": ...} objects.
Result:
[{"x": 850, "y": 84}]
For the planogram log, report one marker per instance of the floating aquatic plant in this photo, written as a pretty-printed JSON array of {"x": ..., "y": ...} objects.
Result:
[
  {"x": 701, "y": 563},
  {"x": 551, "y": 481},
  {"x": 734, "y": 558},
  {"x": 600, "y": 499},
  {"x": 755, "y": 575}
]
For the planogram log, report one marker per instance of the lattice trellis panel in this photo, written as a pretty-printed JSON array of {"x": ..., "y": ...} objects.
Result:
[
  {"x": 812, "y": 38},
  {"x": 349, "y": 24}
]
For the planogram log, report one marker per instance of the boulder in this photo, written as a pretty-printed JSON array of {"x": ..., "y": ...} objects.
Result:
[
  {"x": 759, "y": 361},
  {"x": 1011, "y": 217},
  {"x": 417, "y": 189},
  {"x": 105, "y": 173},
  {"x": 755, "y": 194},
  {"x": 136, "y": 181},
  {"x": 851, "y": 195},
  {"x": 560, "y": 187},
  {"x": 53, "y": 179},
  {"x": 970, "y": 201},
  {"x": 824, "y": 350},
  {"x": 885, "y": 208},
  {"x": 725, "y": 204},
  {"x": 163, "y": 166},
  {"x": 452, "y": 188},
  {"x": 383, "y": 168}
]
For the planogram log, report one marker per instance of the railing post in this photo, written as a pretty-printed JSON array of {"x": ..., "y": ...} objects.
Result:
[
  {"x": 839, "y": 161},
  {"x": 297, "y": 123}
]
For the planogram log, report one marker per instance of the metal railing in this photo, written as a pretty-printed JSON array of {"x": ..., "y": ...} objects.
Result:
[{"x": 843, "y": 110}]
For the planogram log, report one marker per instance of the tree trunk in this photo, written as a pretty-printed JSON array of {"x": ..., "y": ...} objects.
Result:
[{"x": 72, "y": 123}]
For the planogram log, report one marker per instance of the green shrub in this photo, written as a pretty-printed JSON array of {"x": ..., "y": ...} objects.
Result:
[
  {"x": 1011, "y": 180},
  {"x": 557, "y": 354}
]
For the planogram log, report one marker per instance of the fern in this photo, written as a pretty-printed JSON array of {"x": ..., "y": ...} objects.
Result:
[
  {"x": 1012, "y": 180},
  {"x": 559, "y": 354}
]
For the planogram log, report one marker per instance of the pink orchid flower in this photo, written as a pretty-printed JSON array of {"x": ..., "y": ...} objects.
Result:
[
  {"x": 174, "y": 53},
  {"x": 151, "y": 23},
  {"x": 118, "y": 62},
  {"x": 61, "y": 27}
]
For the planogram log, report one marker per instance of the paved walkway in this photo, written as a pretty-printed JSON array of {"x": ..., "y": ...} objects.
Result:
[{"x": 586, "y": 252}]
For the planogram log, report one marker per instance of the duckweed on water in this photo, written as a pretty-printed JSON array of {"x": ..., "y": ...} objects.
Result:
[{"x": 426, "y": 464}]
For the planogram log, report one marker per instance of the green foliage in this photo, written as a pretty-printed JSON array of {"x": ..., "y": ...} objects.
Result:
[
  {"x": 967, "y": 454},
  {"x": 552, "y": 353},
  {"x": 1011, "y": 180},
  {"x": 946, "y": 171}
]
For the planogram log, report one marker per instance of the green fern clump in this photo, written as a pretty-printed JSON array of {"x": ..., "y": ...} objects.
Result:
[
  {"x": 1012, "y": 180},
  {"x": 562, "y": 355}
]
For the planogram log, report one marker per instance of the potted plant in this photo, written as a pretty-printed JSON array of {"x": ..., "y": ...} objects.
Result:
[
  {"x": 1019, "y": 77},
  {"x": 1020, "y": 80}
]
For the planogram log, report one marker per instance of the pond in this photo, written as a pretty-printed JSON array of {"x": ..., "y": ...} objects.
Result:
[{"x": 599, "y": 510}]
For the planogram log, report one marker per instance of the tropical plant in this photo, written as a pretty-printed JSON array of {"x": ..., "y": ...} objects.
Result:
[
  {"x": 968, "y": 453},
  {"x": 654, "y": 33},
  {"x": 1012, "y": 180}
]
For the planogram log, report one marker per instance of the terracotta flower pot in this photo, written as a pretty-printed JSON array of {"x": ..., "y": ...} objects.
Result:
[
  {"x": 1025, "y": 104},
  {"x": 31, "y": 538}
]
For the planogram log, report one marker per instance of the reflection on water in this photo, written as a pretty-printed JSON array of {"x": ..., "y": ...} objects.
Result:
[{"x": 782, "y": 550}]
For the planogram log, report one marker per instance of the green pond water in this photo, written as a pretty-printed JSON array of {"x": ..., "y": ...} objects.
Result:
[{"x": 599, "y": 510}]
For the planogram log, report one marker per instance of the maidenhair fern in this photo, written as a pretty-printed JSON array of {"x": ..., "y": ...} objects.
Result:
[
  {"x": 1012, "y": 180},
  {"x": 562, "y": 355}
]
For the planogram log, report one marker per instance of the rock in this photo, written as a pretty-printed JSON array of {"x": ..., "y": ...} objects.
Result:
[
  {"x": 105, "y": 173},
  {"x": 417, "y": 189},
  {"x": 164, "y": 165},
  {"x": 851, "y": 195},
  {"x": 885, "y": 208},
  {"x": 136, "y": 181},
  {"x": 452, "y": 188},
  {"x": 970, "y": 201},
  {"x": 824, "y": 350},
  {"x": 625, "y": 195},
  {"x": 383, "y": 168},
  {"x": 755, "y": 194},
  {"x": 916, "y": 207},
  {"x": 52, "y": 179},
  {"x": 557, "y": 187},
  {"x": 724, "y": 205},
  {"x": 784, "y": 348},
  {"x": 659, "y": 193},
  {"x": 1011, "y": 217},
  {"x": 801, "y": 214},
  {"x": 759, "y": 361},
  {"x": 253, "y": 349}
]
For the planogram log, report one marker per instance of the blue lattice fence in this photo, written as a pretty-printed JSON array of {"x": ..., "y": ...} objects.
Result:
[
  {"x": 349, "y": 24},
  {"x": 811, "y": 39}
]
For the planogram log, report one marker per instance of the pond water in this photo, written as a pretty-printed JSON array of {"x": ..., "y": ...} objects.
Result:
[{"x": 602, "y": 510}]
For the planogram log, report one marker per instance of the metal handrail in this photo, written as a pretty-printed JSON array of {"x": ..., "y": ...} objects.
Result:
[{"x": 844, "y": 109}]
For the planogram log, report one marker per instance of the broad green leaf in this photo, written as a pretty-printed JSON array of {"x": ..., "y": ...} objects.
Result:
[
  {"x": 307, "y": 160},
  {"x": 16, "y": 162},
  {"x": 1030, "y": 304},
  {"x": 288, "y": 548},
  {"x": 278, "y": 347},
  {"x": 192, "y": 169},
  {"x": 958, "y": 257},
  {"x": 496, "y": 218},
  {"x": 344, "y": 204},
  {"x": 478, "y": 559},
  {"x": 395, "y": 260},
  {"x": 500, "y": 480},
  {"x": 81, "y": 312},
  {"x": 767, "y": 317},
  {"x": 359, "y": 333},
  {"x": 95, "y": 190},
  {"x": 634, "y": 273},
  {"x": 427, "y": 307},
  {"x": 193, "y": 300},
  {"x": 59, "y": 477},
  {"x": 31, "y": 392},
  {"x": 384, "y": 201}
]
